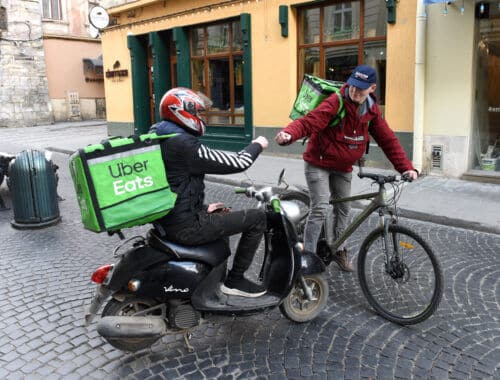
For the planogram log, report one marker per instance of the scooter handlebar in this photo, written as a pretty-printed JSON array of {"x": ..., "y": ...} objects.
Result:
[{"x": 248, "y": 191}]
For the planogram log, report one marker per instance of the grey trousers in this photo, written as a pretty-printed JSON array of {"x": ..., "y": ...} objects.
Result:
[{"x": 323, "y": 184}]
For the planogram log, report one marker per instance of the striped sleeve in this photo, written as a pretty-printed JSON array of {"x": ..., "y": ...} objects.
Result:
[
  {"x": 214, "y": 161},
  {"x": 241, "y": 160}
]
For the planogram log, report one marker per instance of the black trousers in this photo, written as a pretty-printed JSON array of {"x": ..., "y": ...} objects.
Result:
[{"x": 250, "y": 223}]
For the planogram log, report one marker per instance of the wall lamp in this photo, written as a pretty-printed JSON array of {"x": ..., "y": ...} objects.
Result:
[
  {"x": 391, "y": 11},
  {"x": 283, "y": 19}
]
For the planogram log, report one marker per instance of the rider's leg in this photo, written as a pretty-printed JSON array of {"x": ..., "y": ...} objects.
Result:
[
  {"x": 252, "y": 224},
  {"x": 319, "y": 191},
  {"x": 209, "y": 227},
  {"x": 340, "y": 185}
]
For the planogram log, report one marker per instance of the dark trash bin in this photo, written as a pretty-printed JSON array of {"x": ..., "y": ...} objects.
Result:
[
  {"x": 5, "y": 159},
  {"x": 33, "y": 184}
]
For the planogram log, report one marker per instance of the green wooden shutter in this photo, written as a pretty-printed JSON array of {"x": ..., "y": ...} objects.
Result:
[
  {"x": 140, "y": 93},
  {"x": 247, "y": 74},
  {"x": 181, "y": 40},
  {"x": 158, "y": 41}
]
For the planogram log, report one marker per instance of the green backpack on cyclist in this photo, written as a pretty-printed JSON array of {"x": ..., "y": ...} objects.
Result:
[{"x": 312, "y": 92}]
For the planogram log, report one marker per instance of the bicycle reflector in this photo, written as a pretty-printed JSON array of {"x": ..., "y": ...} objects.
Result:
[{"x": 406, "y": 245}]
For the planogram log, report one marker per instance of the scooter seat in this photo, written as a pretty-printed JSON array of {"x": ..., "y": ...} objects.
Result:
[{"x": 212, "y": 253}]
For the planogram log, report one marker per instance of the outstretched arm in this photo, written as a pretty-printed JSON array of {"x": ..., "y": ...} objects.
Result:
[{"x": 213, "y": 161}]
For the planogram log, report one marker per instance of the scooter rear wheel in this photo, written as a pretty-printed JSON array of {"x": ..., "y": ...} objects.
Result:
[
  {"x": 298, "y": 308},
  {"x": 129, "y": 307}
]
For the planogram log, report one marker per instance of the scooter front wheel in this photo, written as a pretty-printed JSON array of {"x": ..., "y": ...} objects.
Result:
[
  {"x": 129, "y": 307},
  {"x": 298, "y": 308}
]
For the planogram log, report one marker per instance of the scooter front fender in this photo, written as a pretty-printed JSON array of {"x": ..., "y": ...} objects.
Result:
[{"x": 310, "y": 263}]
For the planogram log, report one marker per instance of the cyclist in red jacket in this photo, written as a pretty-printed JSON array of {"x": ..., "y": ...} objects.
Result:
[{"x": 331, "y": 152}]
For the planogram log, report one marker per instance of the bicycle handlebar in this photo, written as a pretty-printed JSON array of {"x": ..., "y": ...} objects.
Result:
[{"x": 381, "y": 179}]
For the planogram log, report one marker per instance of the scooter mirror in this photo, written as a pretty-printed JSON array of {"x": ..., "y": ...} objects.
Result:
[{"x": 281, "y": 176}]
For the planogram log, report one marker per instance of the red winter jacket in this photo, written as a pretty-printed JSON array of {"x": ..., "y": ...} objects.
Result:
[{"x": 339, "y": 147}]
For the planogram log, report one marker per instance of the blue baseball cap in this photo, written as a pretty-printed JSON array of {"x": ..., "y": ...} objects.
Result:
[{"x": 362, "y": 77}]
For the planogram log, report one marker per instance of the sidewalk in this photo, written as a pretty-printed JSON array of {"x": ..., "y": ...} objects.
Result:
[{"x": 454, "y": 202}]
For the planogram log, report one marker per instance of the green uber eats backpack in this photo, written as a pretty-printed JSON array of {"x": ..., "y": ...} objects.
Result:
[
  {"x": 312, "y": 92},
  {"x": 122, "y": 182}
]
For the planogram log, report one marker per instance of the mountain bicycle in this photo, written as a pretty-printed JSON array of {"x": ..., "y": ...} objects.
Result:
[{"x": 398, "y": 272}]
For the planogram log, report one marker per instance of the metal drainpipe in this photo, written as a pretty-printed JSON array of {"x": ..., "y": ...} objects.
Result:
[{"x": 418, "y": 108}]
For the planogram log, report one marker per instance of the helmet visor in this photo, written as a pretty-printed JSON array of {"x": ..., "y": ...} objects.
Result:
[{"x": 206, "y": 100}]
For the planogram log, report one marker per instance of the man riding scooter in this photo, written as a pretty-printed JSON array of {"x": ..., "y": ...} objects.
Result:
[{"x": 187, "y": 161}]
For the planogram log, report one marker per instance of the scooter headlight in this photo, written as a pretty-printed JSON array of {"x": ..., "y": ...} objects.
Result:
[{"x": 291, "y": 210}]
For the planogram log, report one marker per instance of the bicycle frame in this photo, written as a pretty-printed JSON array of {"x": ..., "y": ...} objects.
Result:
[{"x": 379, "y": 201}]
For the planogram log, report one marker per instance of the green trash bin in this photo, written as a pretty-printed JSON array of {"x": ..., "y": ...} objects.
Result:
[{"x": 33, "y": 185}]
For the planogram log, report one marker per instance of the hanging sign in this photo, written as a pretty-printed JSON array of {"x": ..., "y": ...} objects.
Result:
[{"x": 99, "y": 17}]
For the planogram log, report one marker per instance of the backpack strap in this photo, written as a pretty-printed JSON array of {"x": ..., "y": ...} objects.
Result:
[{"x": 336, "y": 120}]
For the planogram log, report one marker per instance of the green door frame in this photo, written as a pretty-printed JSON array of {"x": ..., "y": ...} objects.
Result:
[
  {"x": 247, "y": 74},
  {"x": 140, "y": 92},
  {"x": 231, "y": 137},
  {"x": 158, "y": 42},
  {"x": 183, "y": 53},
  {"x": 227, "y": 137}
]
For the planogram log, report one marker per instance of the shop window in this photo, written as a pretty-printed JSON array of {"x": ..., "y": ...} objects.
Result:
[
  {"x": 336, "y": 36},
  {"x": 486, "y": 131},
  {"x": 51, "y": 9},
  {"x": 217, "y": 70}
]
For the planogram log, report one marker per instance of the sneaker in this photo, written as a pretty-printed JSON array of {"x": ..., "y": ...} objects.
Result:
[
  {"x": 340, "y": 257},
  {"x": 243, "y": 288}
]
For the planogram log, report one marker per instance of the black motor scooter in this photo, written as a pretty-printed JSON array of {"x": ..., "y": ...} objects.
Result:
[{"x": 157, "y": 285}]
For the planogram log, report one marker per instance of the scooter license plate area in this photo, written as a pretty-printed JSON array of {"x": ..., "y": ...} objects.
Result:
[{"x": 100, "y": 295}]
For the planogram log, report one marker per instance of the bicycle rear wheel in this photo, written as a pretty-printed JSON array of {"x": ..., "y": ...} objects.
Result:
[{"x": 408, "y": 289}]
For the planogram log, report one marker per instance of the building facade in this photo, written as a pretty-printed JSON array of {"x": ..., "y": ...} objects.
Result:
[
  {"x": 51, "y": 68},
  {"x": 73, "y": 60},
  {"x": 24, "y": 97},
  {"x": 437, "y": 67}
]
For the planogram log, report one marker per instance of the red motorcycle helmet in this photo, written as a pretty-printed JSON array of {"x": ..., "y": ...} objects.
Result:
[{"x": 182, "y": 106}]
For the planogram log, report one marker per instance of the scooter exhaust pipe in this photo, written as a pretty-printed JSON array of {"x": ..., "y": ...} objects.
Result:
[{"x": 121, "y": 327}]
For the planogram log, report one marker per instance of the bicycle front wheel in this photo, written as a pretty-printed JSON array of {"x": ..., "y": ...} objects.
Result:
[{"x": 400, "y": 276}]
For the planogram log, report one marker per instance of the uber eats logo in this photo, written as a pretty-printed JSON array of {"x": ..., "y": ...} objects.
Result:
[{"x": 129, "y": 184}]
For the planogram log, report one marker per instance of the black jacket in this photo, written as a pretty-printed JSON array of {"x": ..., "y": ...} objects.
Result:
[{"x": 187, "y": 161}]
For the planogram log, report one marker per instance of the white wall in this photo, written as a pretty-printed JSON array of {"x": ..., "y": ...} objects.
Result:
[{"x": 449, "y": 85}]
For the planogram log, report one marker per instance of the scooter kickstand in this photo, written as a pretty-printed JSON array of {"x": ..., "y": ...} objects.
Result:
[{"x": 187, "y": 337}]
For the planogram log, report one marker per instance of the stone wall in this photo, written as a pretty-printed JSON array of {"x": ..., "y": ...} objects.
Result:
[{"x": 24, "y": 94}]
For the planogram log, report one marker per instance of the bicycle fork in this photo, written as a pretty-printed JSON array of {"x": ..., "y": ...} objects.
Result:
[{"x": 390, "y": 258}]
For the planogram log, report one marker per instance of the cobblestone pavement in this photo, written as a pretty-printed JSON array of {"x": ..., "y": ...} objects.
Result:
[{"x": 46, "y": 274}]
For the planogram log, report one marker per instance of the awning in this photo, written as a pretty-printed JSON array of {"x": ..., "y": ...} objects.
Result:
[{"x": 92, "y": 68}]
